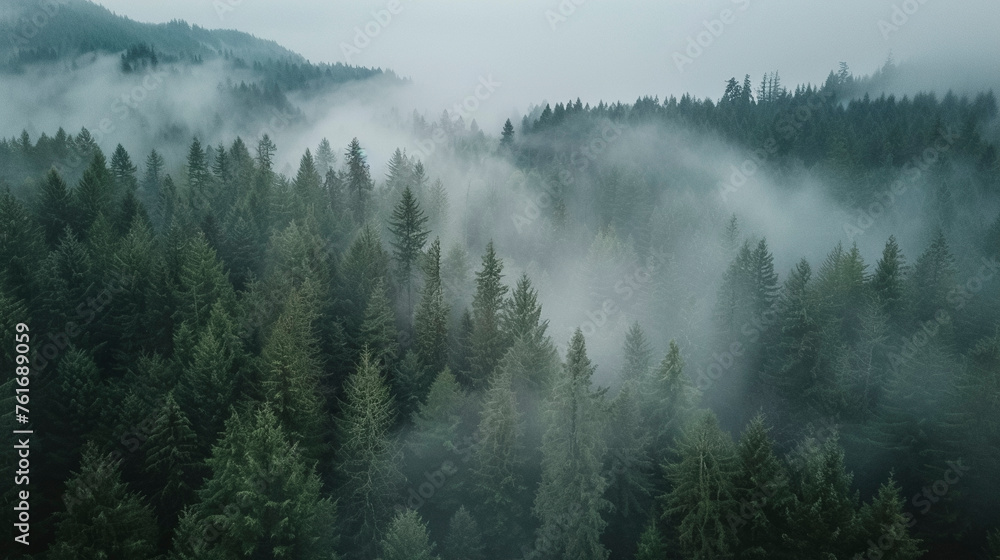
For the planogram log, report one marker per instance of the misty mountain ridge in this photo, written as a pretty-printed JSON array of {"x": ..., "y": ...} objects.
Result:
[{"x": 66, "y": 31}]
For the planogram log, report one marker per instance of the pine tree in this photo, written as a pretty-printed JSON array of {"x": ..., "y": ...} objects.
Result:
[
  {"x": 884, "y": 526},
  {"x": 308, "y": 186},
  {"x": 171, "y": 452},
  {"x": 979, "y": 390},
  {"x": 497, "y": 460},
  {"x": 202, "y": 282},
  {"x": 198, "y": 178},
  {"x": 825, "y": 520},
  {"x": 54, "y": 208},
  {"x": 409, "y": 237},
  {"x": 461, "y": 353},
  {"x": 410, "y": 383},
  {"x": 21, "y": 242},
  {"x": 628, "y": 468},
  {"x": 734, "y": 307},
  {"x": 796, "y": 361},
  {"x": 75, "y": 404},
  {"x": 262, "y": 499},
  {"x": 437, "y": 207},
  {"x": 419, "y": 180},
  {"x": 209, "y": 381},
  {"x": 368, "y": 457},
  {"x": 290, "y": 375},
  {"x": 762, "y": 489},
  {"x": 651, "y": 544},
  {"x": 93, "y": 195},
  {"x": 378, "y": 331},
  {"x": 153, "y": 177},
  {"x": 265, "y": 153},
  {"x": 222, "y": 167},
  {"x": 670, "y": 399},
  {"x": 400, "y": 173},
  {"x": 437, "y": 419},
  {"x": 570, "y": 498},
  {"x": 359, "y": 182},
  {"x": 365, "y": 266},
  {"x": 887, "y": 283},
  {"x": 463, "y": 541},
  {"x": 931, "y": 280},
  {"x": 637, "y": 355},
  {"x": 123, "y": 171},
  {"x": 765, "y": 280},
  {"x": 407, "y": 539},
  {"x": 701, "y": 497},
  {"x": 325, "y": 158},
  {"x": 64, "y": 279},
  {"x": 431, "y": 321},
  {"x": 103, "y": 518},
  {"x": 507, "y": 136},
  {"x": 522, "y": 315},
  {"x": 488, "y": 340}
]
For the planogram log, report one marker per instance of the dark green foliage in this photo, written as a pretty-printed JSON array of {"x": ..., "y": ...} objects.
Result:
[
  {"x": 290, "y": 375},
  {"x": 407, "y": 539},
  {"x": 488, "y": 342},
  {"x": 507, "y": 135},
  {"x": 21, "y": 241},
  {"x": 932, "y": 278},
  {"x": 261, "y": 499},
  {"x": 884, "y": 526},
  {"x": 464, "y": 541},
  {"x": 637, "y": 355},
  {"x": 250, "y": 288},
  {"x": 651, "y": 544},
  {"x": 54, "y": 208},
  {"x": 431, "y": 321},
  {"x": 570, "y": 500},
  {"x": 703, "y": 490},
  {"x": 103, "y": 518},
  {"x": 496, "y": 462},
  {"x": 171, "y": 459},
  {"x": 359, "y": 181},
  {"x": 368, "y": 456},
  {"x": 887, "y": 283},
  {"x": 378, "y": 331},
  {"x": 825, "y": 519},
  {"x": 123, "y": 172},
  {"x": 409, "y": 236},
  {"x": 668, "y": 399},
  {"x": 763, "y": 494}
]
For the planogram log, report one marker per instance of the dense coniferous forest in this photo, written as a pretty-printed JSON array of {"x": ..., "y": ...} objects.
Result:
[{"x": 564, "y": 339}]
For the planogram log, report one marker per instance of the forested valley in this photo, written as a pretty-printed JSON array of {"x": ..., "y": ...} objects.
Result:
[{"x": 765, "y": 325}]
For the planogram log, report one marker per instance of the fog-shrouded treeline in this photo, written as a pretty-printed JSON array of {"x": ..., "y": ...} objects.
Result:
[{"x": 764, "y": 326}]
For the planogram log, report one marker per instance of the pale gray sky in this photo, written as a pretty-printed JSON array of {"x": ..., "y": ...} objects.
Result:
[{"x": 606, "y": 49}]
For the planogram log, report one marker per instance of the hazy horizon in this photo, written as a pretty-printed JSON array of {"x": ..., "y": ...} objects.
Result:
[{"x": 547, "y": 50}]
